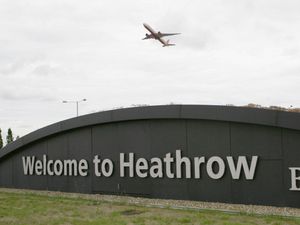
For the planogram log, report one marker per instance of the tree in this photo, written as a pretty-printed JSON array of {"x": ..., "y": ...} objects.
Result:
[
  {"x": 1, "y": 141},
  {"x": 9, "y": 137}
]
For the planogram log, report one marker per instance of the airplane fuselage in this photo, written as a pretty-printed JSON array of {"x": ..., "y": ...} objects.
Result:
[{"x": 153, "y": 33}]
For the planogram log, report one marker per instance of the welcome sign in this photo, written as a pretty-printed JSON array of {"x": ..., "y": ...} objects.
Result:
[
  {"x": 141, "y": 167},
  {"x": 154, "y": 168},
  {"x": 205, "y": 153}
]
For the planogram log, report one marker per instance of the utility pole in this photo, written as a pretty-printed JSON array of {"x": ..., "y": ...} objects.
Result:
[{"x": 77, "y": 104}]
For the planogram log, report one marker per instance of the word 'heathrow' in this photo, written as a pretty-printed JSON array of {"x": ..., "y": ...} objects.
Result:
[{"x": 171, "y": 166}]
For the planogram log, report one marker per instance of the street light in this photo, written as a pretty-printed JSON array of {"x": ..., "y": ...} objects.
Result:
[{"x": 82, "y": 100}]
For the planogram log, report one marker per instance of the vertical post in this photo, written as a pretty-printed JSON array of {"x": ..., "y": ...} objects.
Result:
[
  {"x": 77, "y": 104},
  {"x": 77, "y": 108}
]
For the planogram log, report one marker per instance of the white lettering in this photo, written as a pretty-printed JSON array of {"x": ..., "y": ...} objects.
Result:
[
  {"x": 168, "y": 160},
  {"x": 58, "y": 167},
  {"x": 197, "y": 164},
  {"x": 44, "y": 165},
  {"x": 83, "y": 167},
  {"x": 295, "y": 178},
  {"x": 38, "y": 167},
  {"x": 182, "y": 160},
  {"x": 50, "y": 162},
  {"x": 209, "y": 167},
  {"x": 242, "y": 163},
  {"x": 28, "y": 164},
  {"x": 96, "y": 162},
  {"x": 107, "y": 167},
  {"x": 70, "y": 167},
  {"x": 124, "y": 164},
  {"x": 141, "y": 166},
  {"x": 156, "y": 169},
  {"x": 177, "y": 166}
]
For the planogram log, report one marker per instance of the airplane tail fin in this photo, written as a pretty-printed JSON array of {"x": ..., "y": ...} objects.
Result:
[{"x": 168, "y": 44}]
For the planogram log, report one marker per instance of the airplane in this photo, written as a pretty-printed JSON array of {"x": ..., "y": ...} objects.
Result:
[{"x": 158, "y": 36}]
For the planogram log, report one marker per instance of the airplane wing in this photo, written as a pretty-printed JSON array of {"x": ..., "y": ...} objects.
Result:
[{"x": 167, "y": 34}]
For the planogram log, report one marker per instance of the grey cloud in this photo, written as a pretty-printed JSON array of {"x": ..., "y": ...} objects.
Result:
[
  {"x": 199, "y": 40},
  {"x": 15, "y": 62},
  {"x": 25, "y": 94},
  {"x": 12, "y": 67},
  {"x": 291, "y": 51},
  {"x": 45, "y": 70}
]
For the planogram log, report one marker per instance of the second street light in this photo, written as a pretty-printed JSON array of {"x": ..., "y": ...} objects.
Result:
[{"x": 77, "y": 102}]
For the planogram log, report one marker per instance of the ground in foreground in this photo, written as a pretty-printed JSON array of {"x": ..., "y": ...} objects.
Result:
[{"x": 30, "y": 208}]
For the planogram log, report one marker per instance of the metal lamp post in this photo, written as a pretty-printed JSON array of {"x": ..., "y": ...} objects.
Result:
[{"x": 77, "y": 103}]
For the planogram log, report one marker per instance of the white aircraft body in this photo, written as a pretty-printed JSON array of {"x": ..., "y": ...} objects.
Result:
[{"x": 158, "y": 36}]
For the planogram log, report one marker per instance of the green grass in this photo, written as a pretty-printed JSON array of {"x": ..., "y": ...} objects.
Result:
[{"x": 28, "y": 208}]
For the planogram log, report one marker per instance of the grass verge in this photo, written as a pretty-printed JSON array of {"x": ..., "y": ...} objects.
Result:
[{"x": 30, "y": 208}]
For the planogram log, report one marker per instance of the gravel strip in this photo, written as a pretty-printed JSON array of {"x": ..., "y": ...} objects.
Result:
[{"x": 175, "y": 204}]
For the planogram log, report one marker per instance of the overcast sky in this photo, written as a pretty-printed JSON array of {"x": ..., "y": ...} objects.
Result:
[{"x": 229, "y": 52}]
